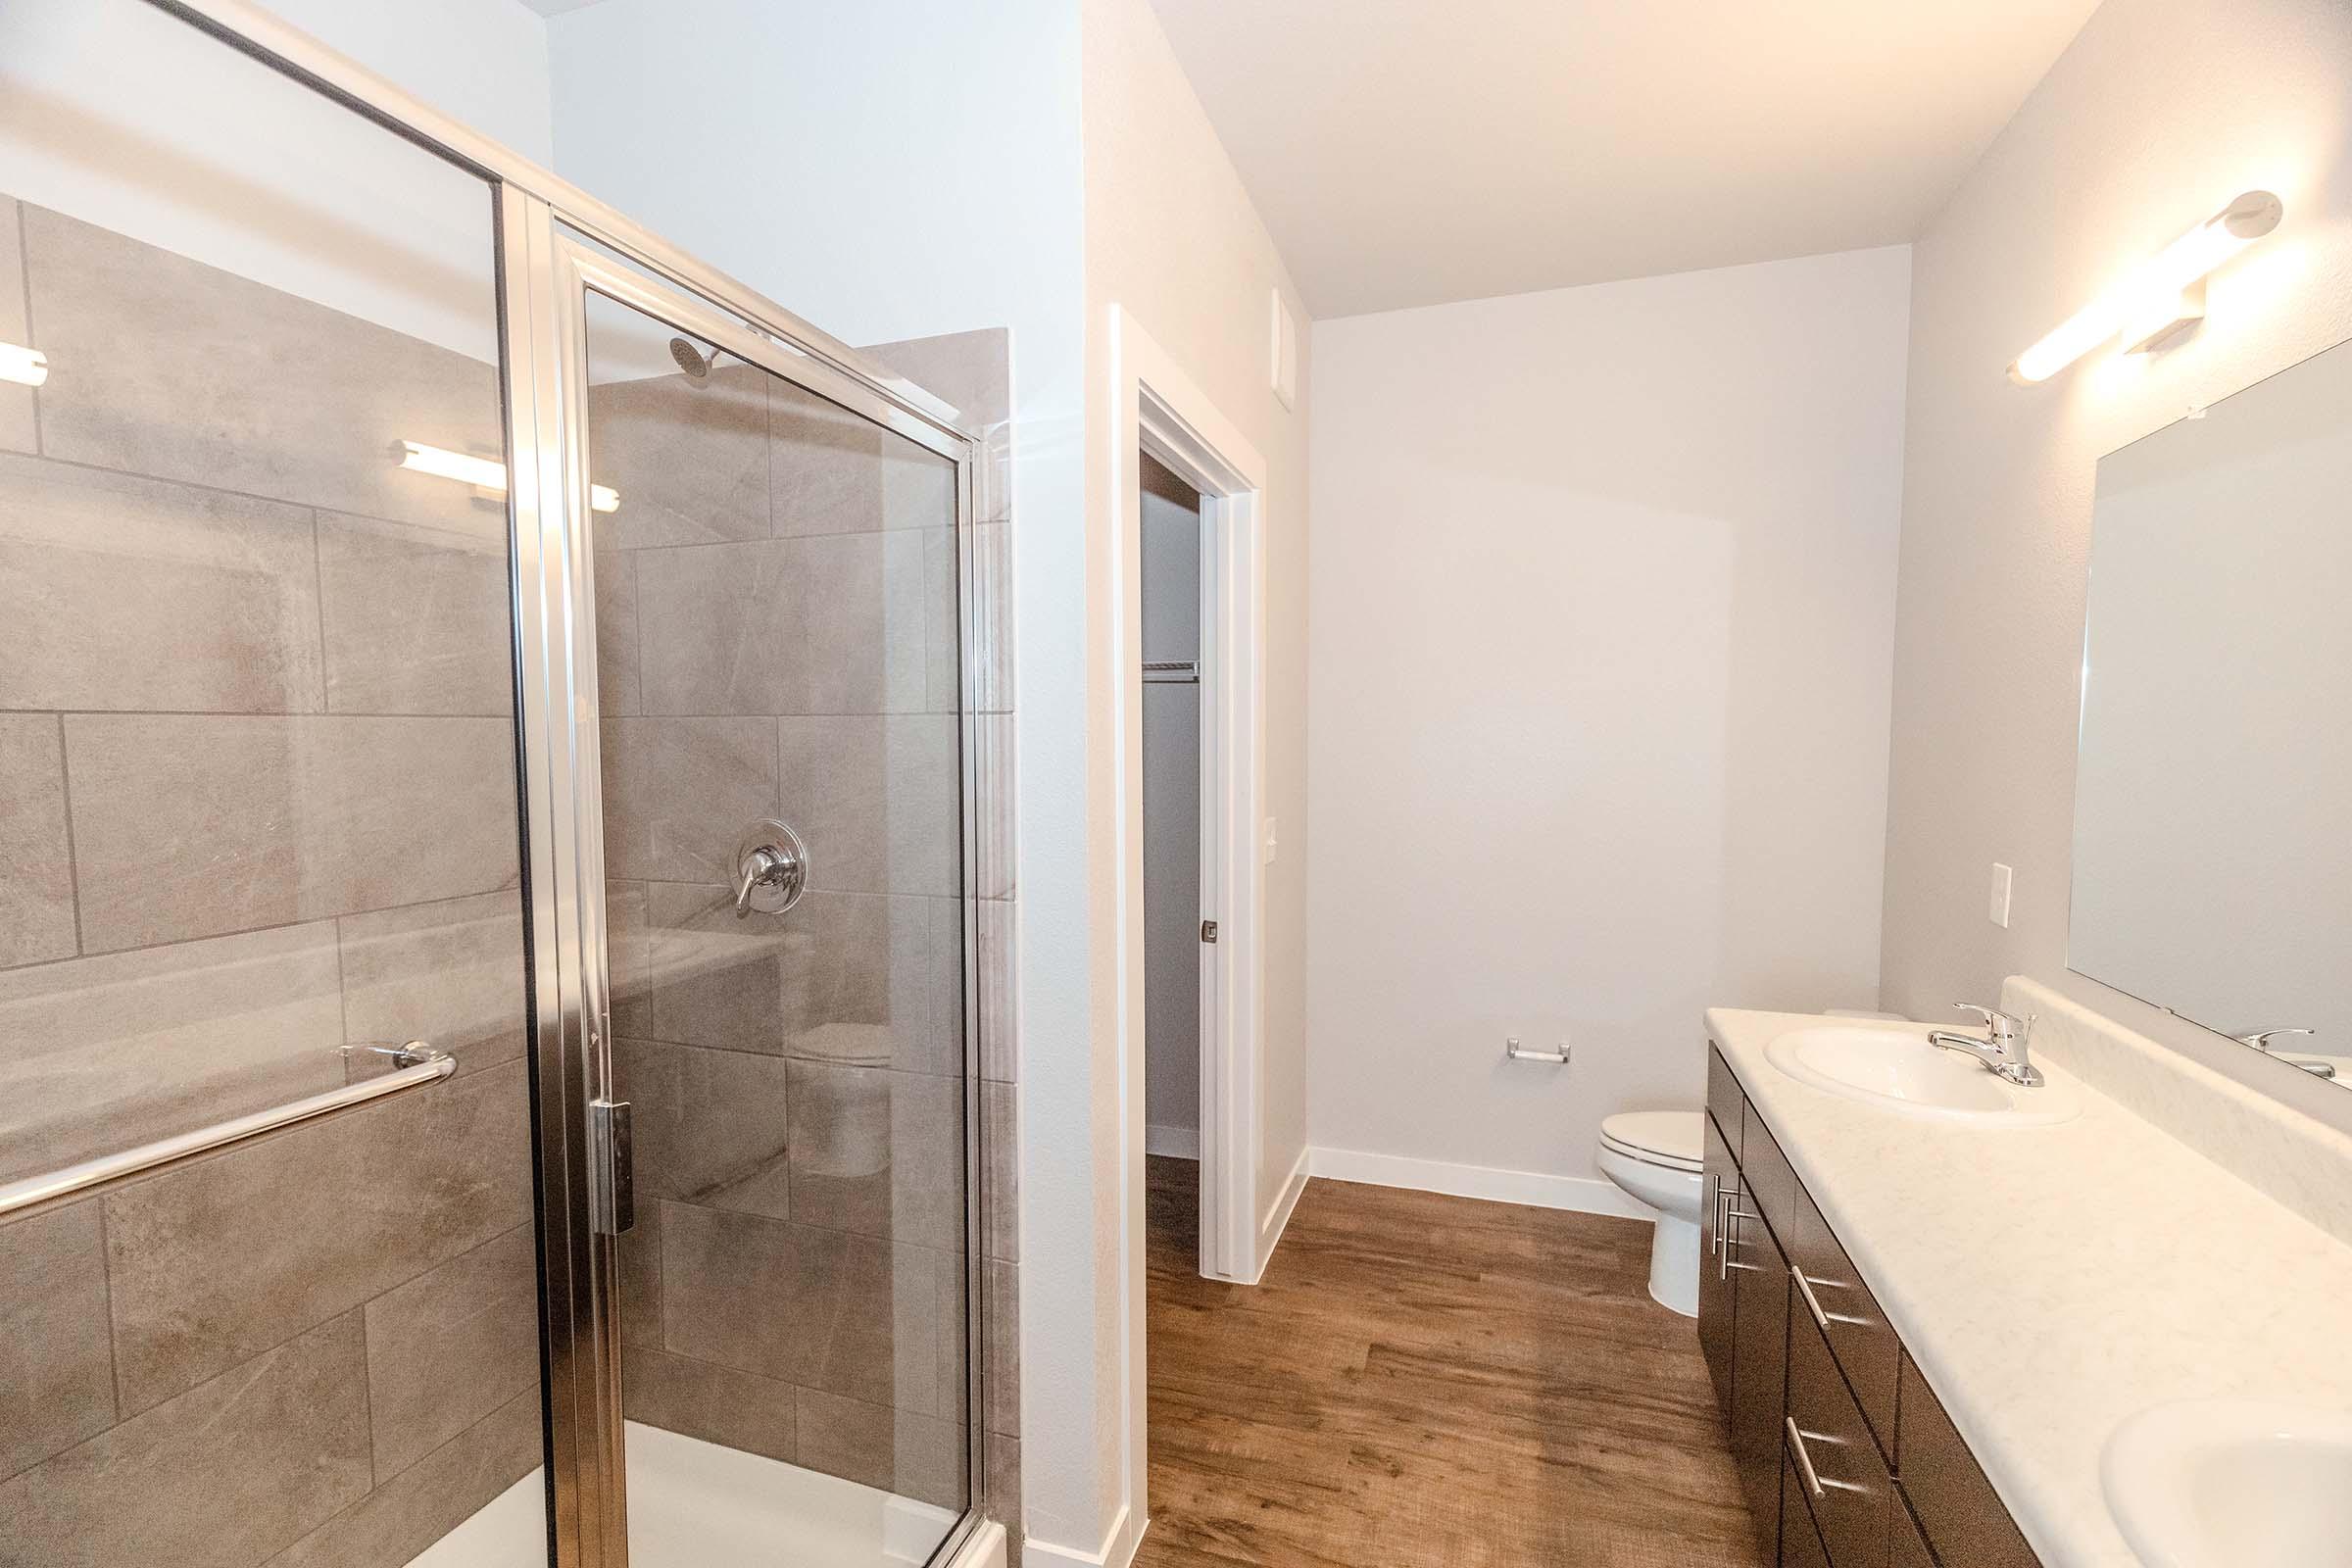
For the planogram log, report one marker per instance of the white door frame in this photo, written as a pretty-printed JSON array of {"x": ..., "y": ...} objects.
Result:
[{"x": 1157, "y": 407}]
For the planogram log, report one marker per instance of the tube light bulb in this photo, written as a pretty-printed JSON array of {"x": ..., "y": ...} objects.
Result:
[
  {"x": 2153, "y": 284},
  {"x": 484, "y": 473},
  {"x": 22, "y": 365}
]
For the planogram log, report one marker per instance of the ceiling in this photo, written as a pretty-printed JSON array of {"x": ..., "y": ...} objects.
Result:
[
  {"x": 556, "y": 8},
  {"x": 1409, "y": 152}
]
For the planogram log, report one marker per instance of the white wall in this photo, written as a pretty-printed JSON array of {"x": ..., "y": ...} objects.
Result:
[
  {"x": 2155, "y": 116},
  {"x": 1172, "y": 238},
  {"x": 1172, "y": 913},
  {"x": 1602, "y": 611},
  {"x": 121, "y": 115}
]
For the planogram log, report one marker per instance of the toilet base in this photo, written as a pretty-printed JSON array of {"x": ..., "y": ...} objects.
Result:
[{"x": 1674, "y": 1265}]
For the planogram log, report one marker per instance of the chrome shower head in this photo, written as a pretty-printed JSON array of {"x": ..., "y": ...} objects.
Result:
[{"x": 691, "y": 360}]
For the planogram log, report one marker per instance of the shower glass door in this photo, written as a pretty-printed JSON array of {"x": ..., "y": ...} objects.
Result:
[{"x": 783, "y": 855}]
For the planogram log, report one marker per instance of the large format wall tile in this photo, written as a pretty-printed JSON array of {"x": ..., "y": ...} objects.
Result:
[
  {"x": 617, "y": 686},
  {"x": 450, "y": 974},
  {"x": 709, "y": 1125},
  {"x": 133, "y": 594},
  {"x": 680, "y": 792},
  {"x": 450, "y": 1347},
  {"x": 221, "y": 1477},
  {"x": 878, "y": 799},
  {"x": 186, "y": 372},
  {"x": 410, "y": 1511},
  {"x": 56, "y": 1369},
  {"x": 841, "y": 977},
  {"x": 720, "y": 1404},
  {"x": 878, "y": 1152},
  {"x": 212, "y": 1262},
  {"x": 190, "y": 825},
  {"x": 37, "y": 895},
  {"x": 100, "y": 1055},
  {"x": 417, "y": 620},
  {"x": 16, "y": 432},
  {"x": 835, "y": 624},
  {"x": 785, "y": 1300},
  {"x": 689, "y": 457},
  {"x": 824, "y": 465}
]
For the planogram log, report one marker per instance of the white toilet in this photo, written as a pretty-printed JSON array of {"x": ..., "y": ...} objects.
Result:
[{"x": 1657, "y": 1157}]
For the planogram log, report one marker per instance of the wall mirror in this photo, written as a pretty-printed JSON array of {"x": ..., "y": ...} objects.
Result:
[{"x": 2213, "y": 795}]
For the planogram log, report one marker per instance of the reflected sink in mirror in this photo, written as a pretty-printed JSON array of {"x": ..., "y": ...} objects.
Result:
[
  {"x": 1898, "y": 1070},
  {"x": 2233, "y": 1483}
]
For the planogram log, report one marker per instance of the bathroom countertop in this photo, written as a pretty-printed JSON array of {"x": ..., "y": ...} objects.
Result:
[{"x": 2052, "y": 1280}]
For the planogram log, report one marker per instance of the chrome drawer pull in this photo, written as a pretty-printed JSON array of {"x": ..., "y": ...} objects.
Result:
[
  {"x": 1804, "y": 1288},
  {"x": 1814, "y": 1485}
]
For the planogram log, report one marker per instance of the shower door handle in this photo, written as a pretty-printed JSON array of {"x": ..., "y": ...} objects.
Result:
[{"x": 612, "y": 1168}]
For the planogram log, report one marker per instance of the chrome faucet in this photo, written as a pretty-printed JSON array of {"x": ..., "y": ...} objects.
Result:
[
  {"x": 2260, "y": 1040},
  {"x": 2002, "y": 1050}
]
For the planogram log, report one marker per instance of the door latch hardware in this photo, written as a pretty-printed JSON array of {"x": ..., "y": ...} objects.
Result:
[
  {"x": 612, "y": 1168},
  {"x": 1209, "y": 930}
]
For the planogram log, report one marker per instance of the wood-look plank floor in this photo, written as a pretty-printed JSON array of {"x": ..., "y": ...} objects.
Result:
[{"x": 1429, "y": 1381}]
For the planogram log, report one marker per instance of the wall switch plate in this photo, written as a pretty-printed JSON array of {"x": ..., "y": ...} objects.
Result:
[{"x": 1996, "y": 907}]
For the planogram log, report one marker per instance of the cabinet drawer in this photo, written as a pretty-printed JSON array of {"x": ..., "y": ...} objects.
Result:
[
  {"x": 1801, "y": 1537},
  {"x": 1830, "y": 1292},
  {"x": 1906, "y": 1547},
  {"x": 1725, "y": 1101},
  {"x": 1963, "y": 1518},
  {"x": 1768, "y": 1173},
  {"x": 1844, "y": 1479}
]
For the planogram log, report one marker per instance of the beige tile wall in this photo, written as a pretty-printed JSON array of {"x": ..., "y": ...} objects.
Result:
[
  {"x": 778, "y": 616},
  {"x": 257, "y": 800}
]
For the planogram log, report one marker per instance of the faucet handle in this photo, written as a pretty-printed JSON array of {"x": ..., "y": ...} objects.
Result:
[{"x": 2000, "y": 1028}]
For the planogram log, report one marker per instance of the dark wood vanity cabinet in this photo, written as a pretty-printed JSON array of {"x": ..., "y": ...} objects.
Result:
[
  {"x": 1845, "y": 1454},
  {"x": 1721, "y": 1190}
]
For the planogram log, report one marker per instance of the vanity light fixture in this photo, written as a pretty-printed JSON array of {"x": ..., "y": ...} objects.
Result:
[
  {"x": 22, "y": 365},
  {"x": 2159, "y": 300},
  {"x": 484, "y": 473}
]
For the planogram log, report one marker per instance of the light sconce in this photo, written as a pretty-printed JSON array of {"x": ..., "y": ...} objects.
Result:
[
  {"x": 2160, "y": 300},
  {"x": 484, "y": 473},
  {"x": 22, "y": 365}
]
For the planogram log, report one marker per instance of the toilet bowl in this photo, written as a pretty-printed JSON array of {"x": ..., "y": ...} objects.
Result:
[{"x": 1657, "y": 1157}]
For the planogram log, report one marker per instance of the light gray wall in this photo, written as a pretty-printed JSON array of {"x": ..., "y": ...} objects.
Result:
[
  {"x": 2159, "y": 111},
  {"x": 1601, "y": 620},
  {"x": 1171, "y": 573}
]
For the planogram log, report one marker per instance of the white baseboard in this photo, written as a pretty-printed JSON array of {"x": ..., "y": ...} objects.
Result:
[
  {"x": 1177, "y": 1143},
  {"x": 1116, "y": 1551},
  {"x": 1277, "y": 1217},
  {"x": 1586, "y": 1194}
]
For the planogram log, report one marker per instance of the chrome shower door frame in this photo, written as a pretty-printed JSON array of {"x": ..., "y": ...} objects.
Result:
[
  {"x": 549, "y": 276},
  {"x": 544, "y": 277}
]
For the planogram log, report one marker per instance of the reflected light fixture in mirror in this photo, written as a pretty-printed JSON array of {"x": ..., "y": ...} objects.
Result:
[
  {"x": 483, "y": 473},
  {"x": 2157, "y": 301},
  {"x": 22, "y": 365}
]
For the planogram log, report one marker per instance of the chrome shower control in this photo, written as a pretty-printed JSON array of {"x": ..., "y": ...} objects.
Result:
[{"x": 771, "y": 869}]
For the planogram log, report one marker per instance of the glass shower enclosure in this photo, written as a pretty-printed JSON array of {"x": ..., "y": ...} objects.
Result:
[{"x": 486, "y": 1073}]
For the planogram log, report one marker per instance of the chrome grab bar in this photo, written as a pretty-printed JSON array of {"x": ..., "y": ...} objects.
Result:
[{"x": 414, "y": 1064}]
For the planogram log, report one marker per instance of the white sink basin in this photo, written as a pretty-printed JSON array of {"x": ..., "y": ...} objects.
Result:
[
  {"x": 1896, "y": 1069},
  {"x": 2233, "y": 1483}
]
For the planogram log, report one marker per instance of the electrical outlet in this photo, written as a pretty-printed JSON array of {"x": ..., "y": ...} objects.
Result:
[{"x": 1996, "y": 907}]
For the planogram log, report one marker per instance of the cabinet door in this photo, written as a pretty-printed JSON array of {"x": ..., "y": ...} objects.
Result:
[
  {"x": 1714, "y": 1264},
  {"x": 1760, "y": 1362}
]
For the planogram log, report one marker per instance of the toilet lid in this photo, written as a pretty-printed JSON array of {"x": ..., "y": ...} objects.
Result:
[{"x": 1671, "y": 1138}]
